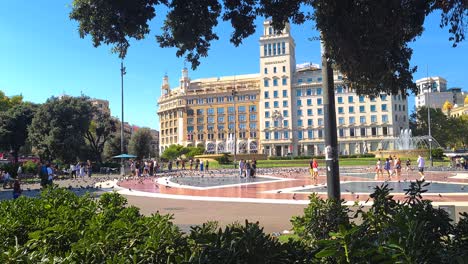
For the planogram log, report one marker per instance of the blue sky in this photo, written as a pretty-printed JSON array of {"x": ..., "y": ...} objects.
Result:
[{"x": 42, "y": 55}]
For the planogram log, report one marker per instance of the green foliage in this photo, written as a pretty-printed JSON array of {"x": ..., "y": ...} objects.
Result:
[
  {"x": 58, "y": 128},
  {"x": 376, "y": 61},
  {"x": 14, "y": 124},
  {"x": 30, "y": 167},
  {"x": 8, "y": 102},
  {"x": 191, "y": 152},
  {"x": 112, "y": 146},
  {"x": 140, "y": 143},
  {"x": 11, "y": 168},
  {"x": 438, "y": 154},
  {"x": 224, "y": 159},
  {"x": 175, "y": 151},
  {"x": 100, "y": 130},
  {"x": 412, "y": 231}
]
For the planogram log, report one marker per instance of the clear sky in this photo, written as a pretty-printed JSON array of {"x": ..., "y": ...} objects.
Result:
[{"x": 42, "y": 55}]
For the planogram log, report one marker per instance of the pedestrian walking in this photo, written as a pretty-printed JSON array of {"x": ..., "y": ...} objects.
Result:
[{"x": 421, "y": 164}]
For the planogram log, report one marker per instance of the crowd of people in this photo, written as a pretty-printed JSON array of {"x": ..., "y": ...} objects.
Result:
[{"x": 393, "y": 167}]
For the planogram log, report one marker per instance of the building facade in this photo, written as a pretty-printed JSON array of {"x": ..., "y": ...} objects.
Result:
[
  {"x": 277, "y": 111},
  {"x": 433, "y": 92}
]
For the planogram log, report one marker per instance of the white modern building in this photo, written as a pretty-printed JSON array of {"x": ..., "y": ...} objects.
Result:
[{"x": 433, "y": 92}]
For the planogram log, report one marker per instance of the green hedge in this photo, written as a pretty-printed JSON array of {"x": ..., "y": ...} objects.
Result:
[{"x": 354, "y": 156}]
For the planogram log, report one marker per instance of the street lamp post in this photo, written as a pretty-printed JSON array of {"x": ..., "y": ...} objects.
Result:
[
  {"x": 234, "y": 94},
  {"x": 429, "y": 121},
  {"x": 331, "y": 140},
  {"x": 122, "y": 73}
]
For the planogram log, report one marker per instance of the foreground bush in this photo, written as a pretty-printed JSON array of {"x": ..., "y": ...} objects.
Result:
[
  {"x": 61, "y": 227},
  {"x": 412, "y": 231}
]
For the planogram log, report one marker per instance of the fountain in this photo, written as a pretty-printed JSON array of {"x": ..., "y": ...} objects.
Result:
[{"x": 406, "y": 145}]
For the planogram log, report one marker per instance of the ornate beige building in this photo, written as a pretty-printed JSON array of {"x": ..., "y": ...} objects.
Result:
[{"x": 277, "y": 111}]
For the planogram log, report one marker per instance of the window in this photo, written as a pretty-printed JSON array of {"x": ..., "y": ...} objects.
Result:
[
  {"x": 299, "y": 81},
  {"x": 298, "y": 92},
  {"x": 267, "y": 124},
  {"x": 384, "y": 107},
  {"x": 284, "y": 81},
  {"x": 361, "y": 99},
  {"x": 340, "y": 99},
  {"x": 351, "y": 109},
  {"x": 267, "y": 104},
  {"x": 310, "y": 134},
  {"x": 351, "y": 132},
  {"x": 319, "y": 101},
  {"x": 362, "y": 119},
  {"x": 340, "y": 110},
  {"x": 362, "y": 109},
  {"x": 274, "y": 69},
  {"x": 363, "y": 131},
  {"x": 285, "y": 93},
  {"x": 339, "y": 89},
  {"x": 319, "y": 90},
  {"x": 190, "y": 121},
  {"x": 231, "y": 109},
  {"x": 285, "y": 103},
  {"x": 309, "y": 112},
  {"x": 275, "y": 94},
  {"x": 319, "y": 79},
  {"x": 309, "y": 101},
  {"x": 373, "y": 118},
  {"x": 285, "y": 123},
  {"x": 352, "y": 120},
  {"x": 220, "y": 119},
  {"x": 286, "y": 134},
  {"x": 320, "y": 122},
  {"x": 267, "y": 114},
  {"x": 267, "y": 135},
  {"x": 320, "y": 111},
  {"x": 210, "y": 100},
  {"x": 265, "y": 51},
  {"x": 275, "y": 104},
  {"x": 320, "y": 133},
  {"x": 253, "y": 117},
  {"x": 285, "y": 113},
  {"x": 309, "y": 80},
  {"x": 210, "y": 120},
  {"x": 372, "y": 108},
  {"x": 266, "y": 94},
  {"x": 299, "y": 112},
  {"x": 309, "y": 92},
  {"x": 299, "y": 103},
  {"x": 253, "y": 108},
  {"x": 275, "y": 123},
  {"x": 230, "y": 98},
  {"x": 384, "y": 118},
  {"x": 341, "y": 121},
  {"x": 299, "y": 135},
  {"x": 275, "y": 82},
  {"x": 284, "y": 67},
  {"x": 284, "y": 52},
  {"x": 199, "y": 111},
  {"x": 383, "y": 97},
  {"x": 310, "y": 122},
  {"x": 341, "y": 132},
  {"x": 220, "y": 110},
  {"x": 385, "y": 131},
  {"x": 253, "y": 126},
  {"x": 265, "y": 83},
  {"x": 231, "y": 118},
  {"x": 274, "y": 48},
  {"x": 299, "y": 122},
  {"x": 265, "y": 70},
  {"x": 374, "y": 131},
  {"x": 276, "y": 135},
  {"x": 372, "y": 98},
  {"x": 350, "y": 99},
  {"x": 241, "y": 109}
]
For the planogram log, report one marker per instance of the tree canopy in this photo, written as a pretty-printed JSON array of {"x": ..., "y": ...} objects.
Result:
[
  {"x": 58, "y": 128},
  {"x": 140, "y": 143},
  {"x": 100, "y": 130},
  {"x": 366, "y": 39},
  {"x": 14, "y": 127}
]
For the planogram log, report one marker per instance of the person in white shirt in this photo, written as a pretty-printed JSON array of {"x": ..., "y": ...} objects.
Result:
[
  {"x": 72, "y": 171},
  {"x": 421, "y": 164},
  {"x": 50, "y": 174}
]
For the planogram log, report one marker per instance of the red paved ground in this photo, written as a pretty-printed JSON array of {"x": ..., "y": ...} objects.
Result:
[{"x": 301, "y": 178}]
